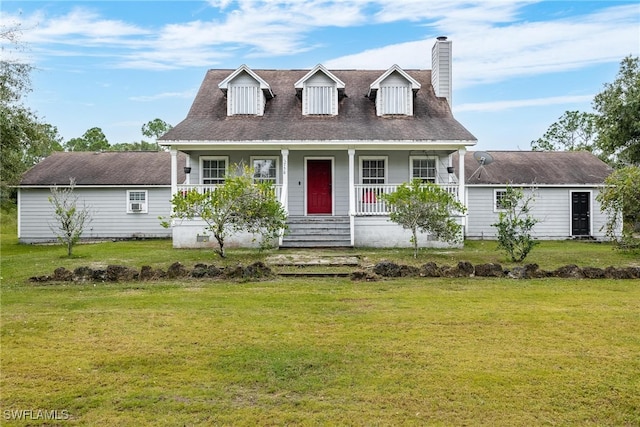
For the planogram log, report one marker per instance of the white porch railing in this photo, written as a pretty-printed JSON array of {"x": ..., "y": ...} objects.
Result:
[
  {"x": 207, "y": 188},
  {"x": 369, "y": 202}
]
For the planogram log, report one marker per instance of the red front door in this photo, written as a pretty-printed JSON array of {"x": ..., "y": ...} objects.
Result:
[{"x": 319, "y": 187}]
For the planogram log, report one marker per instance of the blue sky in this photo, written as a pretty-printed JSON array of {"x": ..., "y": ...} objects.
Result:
[{"x": 517, "y": 65}]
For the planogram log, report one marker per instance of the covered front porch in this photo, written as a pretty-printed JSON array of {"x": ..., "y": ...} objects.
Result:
[{"x": 348, "y": 187}]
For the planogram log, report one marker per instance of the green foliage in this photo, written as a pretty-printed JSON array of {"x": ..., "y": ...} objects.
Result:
[
  {"x": 155, "y": 129},
  {"x": 134, "y": 146},
  {"x": 515, "y": 224},
  {"x": 69, "y": 218},
  {"x": 427, "y": 208},
  {"x": 240, "y": 204},
  {"x": 618, "y": 119},
  {"x": 25, "y": 138},
  {"x": 613, "y": 131},
  {"x": 92, "y": 140},
  {"x": 25, "y": 141},
  {"x": 620, "y": 198},
  {"x": 574, "y": 130},
  {"x": 15, "y": 75}
]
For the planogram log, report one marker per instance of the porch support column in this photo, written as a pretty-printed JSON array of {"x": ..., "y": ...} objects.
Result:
[
  {"x": 461, "y": 179},
  {"x": 284, "y": 196},
  {"x": 284, "y": 191},
  {"x": 352, "y": 194},
  {"x": 174, "y": 171}
]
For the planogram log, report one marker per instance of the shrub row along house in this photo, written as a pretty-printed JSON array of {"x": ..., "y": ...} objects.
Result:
[{"x": 331, "y": 142}]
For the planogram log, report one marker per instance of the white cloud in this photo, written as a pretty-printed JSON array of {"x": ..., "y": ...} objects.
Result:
[
  {"x": 415, "y": 54},
  {"x": 521, "y": 103},
  {"x": 533, "y": 48},
  {"x": 486, "y": 54},
  {"x": 79, "y": 26},
  {"x": 491, "y": 41},
  {"x": 446, "y": 13},
  {"x": 187, "y": 94}
]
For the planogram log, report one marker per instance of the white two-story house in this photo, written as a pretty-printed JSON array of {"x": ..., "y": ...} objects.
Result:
[{"x": 331, "y": 141}]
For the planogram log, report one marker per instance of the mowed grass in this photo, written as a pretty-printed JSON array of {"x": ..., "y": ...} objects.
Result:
[
  {"x": 438, "y": 352},
  {"x": 318, "y": 351}
]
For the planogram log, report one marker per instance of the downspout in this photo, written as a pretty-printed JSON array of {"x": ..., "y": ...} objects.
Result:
[
  {"x": 174, "y": 173},
  {"x": 19, "y": 213}
]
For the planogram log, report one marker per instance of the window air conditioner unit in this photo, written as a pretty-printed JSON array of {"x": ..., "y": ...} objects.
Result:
[{"x": 136, "y": 207}]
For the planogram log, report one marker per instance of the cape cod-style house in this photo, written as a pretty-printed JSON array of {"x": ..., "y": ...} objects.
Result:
[{"x": 331, "y": 141}]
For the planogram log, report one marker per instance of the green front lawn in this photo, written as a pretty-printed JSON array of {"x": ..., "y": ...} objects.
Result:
[
  {"x": 317, "y": 351},
  {"x": 449, "y": 352}
]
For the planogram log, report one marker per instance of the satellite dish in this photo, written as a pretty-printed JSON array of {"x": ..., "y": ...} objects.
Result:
[{"x": 483, "y": 158}]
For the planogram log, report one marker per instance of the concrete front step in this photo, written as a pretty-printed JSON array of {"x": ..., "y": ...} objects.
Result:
[
  {"x": 316, "y": 264},
  {"x": 315, "y": 244},
  {"x": 313, "y": 274},
  {"x": 317, "y": 232}
]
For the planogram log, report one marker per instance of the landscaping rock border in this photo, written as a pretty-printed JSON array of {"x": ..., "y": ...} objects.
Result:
[
  {"x": 119, "y": 273},
  {"x": 383, "y": 269},
  {"x": 528, "y": 271}
]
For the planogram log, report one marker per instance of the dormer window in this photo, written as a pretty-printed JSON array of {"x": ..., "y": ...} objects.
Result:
[
  {"x": 246, "y": 92},
  {"x": 393, "y": 92},
  {"x": 320, "y": 92},
  {"x": 243, "y": 97}
]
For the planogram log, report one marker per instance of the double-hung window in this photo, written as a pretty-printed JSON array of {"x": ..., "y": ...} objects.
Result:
[
  {"x": 373, "y": 170},
  {"x": 499, "y": 200},
  {"x": 214, "y": 169},
  {"x": 424, "y": 169},
  {"x": 265, "y": 169}
]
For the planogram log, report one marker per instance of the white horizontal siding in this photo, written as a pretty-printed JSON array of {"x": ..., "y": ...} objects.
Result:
[
  {"x": 108, "y": 207},
  {"x": 552, "y": 207}
]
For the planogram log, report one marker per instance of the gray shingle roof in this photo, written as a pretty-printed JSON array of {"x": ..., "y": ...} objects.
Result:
[
  {"x": 536, "y": 167},
  {"x": 107, "y": 168},
  {"x": 283, "y": 120}
]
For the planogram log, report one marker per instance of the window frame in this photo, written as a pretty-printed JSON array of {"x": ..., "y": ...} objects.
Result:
[
  {"x": 497, "y": 198},
  {"x": 202, "y": 168},
  {"x": 362, "y": 159},
  {"x": 145, "y": 202},
  {"x": 276, "y": 179},
  {"x": 435, "y": 168}
]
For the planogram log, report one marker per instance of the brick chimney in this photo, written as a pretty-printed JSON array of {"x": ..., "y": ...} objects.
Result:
[{"x": 441, "y": 59}]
